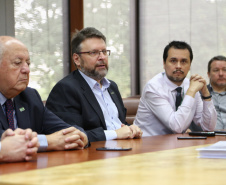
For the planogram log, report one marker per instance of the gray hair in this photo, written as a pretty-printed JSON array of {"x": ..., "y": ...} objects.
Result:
[{"x": 3, "y": 40}]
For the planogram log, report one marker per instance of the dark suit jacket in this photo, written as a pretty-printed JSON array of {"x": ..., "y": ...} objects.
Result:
[
  {"x": 31, "y": 113},
  {"x": 73, "y": 101}
]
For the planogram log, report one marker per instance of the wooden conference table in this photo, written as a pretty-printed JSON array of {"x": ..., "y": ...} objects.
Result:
[{"x": 152, "y": 160}]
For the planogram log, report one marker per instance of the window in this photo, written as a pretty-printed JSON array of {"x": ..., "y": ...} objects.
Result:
[
  {"x": 199, "y": 23},
  {"x": 111, "y": 17},
  {"x": 38, "y": 24}
]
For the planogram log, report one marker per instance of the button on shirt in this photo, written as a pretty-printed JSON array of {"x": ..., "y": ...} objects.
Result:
[
  {"x": 41, "y": 138},
  {"x": 108, "y": 107},
  {"x": 157, "y": 113},
  {"x": 219, "y": 100}
]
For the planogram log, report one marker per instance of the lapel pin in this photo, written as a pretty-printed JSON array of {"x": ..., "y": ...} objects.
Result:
[
  {"x": 112, "y": 92},
  {"x": 22, "y": 109}
]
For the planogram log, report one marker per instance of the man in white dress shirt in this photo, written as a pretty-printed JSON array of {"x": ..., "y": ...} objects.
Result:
[{"x": 157, "y": 113}]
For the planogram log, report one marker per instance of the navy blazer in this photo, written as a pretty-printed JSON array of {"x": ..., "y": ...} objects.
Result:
[
  {"x": 31, "y": 113},
  {"x": 73, "y": 101}
]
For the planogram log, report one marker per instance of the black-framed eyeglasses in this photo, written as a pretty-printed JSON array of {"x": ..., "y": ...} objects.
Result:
[{"x": 96, "y": 53}]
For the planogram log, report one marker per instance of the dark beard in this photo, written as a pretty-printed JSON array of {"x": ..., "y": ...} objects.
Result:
[
  {"x": 94, "y": 74},
  {"x": 219, "y": 85},
  {"x": 175, "y": 79}
]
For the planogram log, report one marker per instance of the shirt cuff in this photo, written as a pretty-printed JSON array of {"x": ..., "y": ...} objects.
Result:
[
  {"x": 43, "y": 143},
  {"x": 110, "y": 134}
]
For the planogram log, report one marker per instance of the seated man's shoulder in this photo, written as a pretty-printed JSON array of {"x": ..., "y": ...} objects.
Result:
[
  {"x": 68, "y": 80},
  {"x": 29, "y": 91},
  {"x": 156, "y": 82},
  {"x": 113, "y": 83},
  {"x": 30, "y": 95}
]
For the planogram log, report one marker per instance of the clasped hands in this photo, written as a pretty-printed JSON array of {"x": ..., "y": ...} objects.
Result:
[
  {"x": 19, "y": 145},
  {"x": 22, "y": 145},
  {"x": 67, "y": 139},
  {"x": 197, "y": 83},
  {"x": 129, "y": 132}
]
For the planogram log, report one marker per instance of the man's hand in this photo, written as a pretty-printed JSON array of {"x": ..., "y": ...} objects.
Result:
[
  {"x": 128, "y": 132},
  {"x": 70, "y": 140},
  {"x": 196, "y": 84},
  {"x": 8, "y": 132},
  {"x": 33, "y": 144},
  {"x": 204, "y": 91},
  {"x": 124, "y": 132},
  {"x": 66, "y": 139},
  {"x": 13, "y": 148},
  {"x": 136, "y": 131},
  {"x": 21, "y": 139},
  {"x": 187, "y": 131}
]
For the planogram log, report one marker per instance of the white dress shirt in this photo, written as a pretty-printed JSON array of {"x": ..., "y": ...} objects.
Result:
[
  {"x": 107, "y": 105},
  {"x": 157, "y": 113}
]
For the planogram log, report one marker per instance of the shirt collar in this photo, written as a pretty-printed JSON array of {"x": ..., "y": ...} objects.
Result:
[
  {"x": 3, "y": 99},
  {"x": 92, "y": 83},
  {"x": 211, "y": 90}
]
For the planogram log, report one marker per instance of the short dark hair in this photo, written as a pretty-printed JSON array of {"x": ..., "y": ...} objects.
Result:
[
  {"x": 219, "y": 57},
  {"x": 177, "y": 45},
  {"x": 82, "y": 35}
]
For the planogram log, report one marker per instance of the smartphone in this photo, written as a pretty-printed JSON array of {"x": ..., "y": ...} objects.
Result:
[
  {"x": 201, "y": 133},
  {"x": 202, "y": 137},
  {"x": 113, "y": 149},
  {"x": 219, "y": 132}
]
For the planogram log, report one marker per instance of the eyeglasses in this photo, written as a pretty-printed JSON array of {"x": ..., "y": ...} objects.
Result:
[{"x": 96, "y": 53}]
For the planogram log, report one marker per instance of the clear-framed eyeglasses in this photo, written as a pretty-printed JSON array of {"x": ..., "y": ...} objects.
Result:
[{"x": 96, "y": 53}]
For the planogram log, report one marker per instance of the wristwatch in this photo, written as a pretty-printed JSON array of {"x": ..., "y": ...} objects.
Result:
[{"x": 207, "y": 97}]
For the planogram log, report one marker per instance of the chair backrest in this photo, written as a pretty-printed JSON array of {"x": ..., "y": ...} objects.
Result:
[{"x": 131, "y": 104}]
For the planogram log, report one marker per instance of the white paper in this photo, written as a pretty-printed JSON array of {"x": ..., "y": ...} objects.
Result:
[{"x": 217, "y": 150}]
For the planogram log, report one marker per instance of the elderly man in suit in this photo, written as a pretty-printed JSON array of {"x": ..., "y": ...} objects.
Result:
[
  {"x": 22, "y": 106},
  {"x": 86, "y": 97}
]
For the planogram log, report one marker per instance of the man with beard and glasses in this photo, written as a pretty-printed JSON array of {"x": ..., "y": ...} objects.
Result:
[
  {"x": 86, "y": 98},
  {"x": 217, "y": 88},
  {"x": 170, "y": 101}
]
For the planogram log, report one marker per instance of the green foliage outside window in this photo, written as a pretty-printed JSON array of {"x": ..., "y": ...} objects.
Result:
[
  {"x": 112, "y": 19},
  {"x": 38, "y": 24}
]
